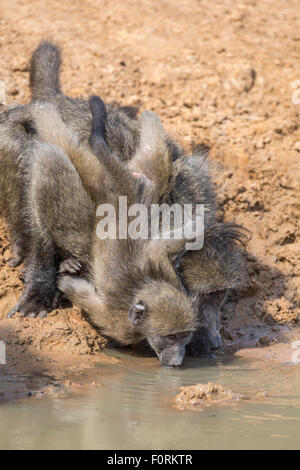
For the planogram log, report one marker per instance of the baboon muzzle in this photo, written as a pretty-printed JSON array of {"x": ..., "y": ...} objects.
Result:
[{"x": 172, "y": 356}]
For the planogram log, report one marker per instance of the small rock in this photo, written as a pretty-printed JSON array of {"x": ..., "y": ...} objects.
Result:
[{"x": 61, "y": 325}]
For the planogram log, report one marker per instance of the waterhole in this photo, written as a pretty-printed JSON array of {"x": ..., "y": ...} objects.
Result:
[{"x": 134, "y": 409}]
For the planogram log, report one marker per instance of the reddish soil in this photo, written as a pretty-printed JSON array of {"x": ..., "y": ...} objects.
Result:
[{"x": 216, "y": 72}]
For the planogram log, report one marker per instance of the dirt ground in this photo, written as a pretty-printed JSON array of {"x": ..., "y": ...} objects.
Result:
[{"x": 216, "y": 72}]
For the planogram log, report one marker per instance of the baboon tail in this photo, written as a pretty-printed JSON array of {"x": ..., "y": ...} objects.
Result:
[{"x": 44, "y": 71}]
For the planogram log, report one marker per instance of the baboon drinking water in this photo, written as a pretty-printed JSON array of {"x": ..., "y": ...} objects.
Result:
[
  {"x": 127, "y": 300},
  {"x": 187, "y": 179}
]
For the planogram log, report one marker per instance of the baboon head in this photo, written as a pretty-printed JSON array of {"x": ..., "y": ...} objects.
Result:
[{"x": 166, "y": 317}]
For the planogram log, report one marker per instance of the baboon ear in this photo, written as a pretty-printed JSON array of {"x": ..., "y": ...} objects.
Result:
[{"x": 137, "y": 313}]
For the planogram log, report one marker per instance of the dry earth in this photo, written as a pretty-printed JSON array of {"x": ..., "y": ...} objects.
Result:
[{"x": 216, "y": 72}]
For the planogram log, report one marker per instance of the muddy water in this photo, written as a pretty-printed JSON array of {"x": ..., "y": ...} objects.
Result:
[{"x": 134, "y": 409}]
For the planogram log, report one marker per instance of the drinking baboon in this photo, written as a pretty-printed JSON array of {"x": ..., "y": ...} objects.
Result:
[
  {"x": 182, "y": 180},
  {"x": 128, "y": 300}
]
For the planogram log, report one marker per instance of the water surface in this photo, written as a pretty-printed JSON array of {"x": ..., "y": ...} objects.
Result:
[{"x": 134, "y": 410}]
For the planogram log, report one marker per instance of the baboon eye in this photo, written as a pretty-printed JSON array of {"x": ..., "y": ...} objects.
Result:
[
  {"x": 207, "y": 297},
  {"x": 216, "y": 296},
  {"x": 171, "y": 338}
]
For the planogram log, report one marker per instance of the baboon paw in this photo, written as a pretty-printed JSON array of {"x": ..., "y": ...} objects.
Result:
[
  {"x": 33, "y": 304},
  {"x": 30, "y": 309},
  {"x": 70, "y": 265}
]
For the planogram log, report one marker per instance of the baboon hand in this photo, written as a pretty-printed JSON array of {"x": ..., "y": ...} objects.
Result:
[{"x": 70, "y": 266}]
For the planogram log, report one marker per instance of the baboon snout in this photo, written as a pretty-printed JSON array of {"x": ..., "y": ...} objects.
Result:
[{"x": 172, "y": 357}]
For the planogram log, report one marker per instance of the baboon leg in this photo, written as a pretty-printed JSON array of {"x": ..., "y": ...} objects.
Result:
[
  {"x": 62, "y": 210},
  {"x": 40, "y": 295},
  {"x": 17, "y": 228},
  {"x": 12, "y": 200}
]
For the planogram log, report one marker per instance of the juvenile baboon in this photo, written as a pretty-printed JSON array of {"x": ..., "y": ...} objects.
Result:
[{"x": 207, "y": 275}]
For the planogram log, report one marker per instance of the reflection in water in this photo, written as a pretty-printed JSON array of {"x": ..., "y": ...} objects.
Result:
[{"x": 134, "y": 409}]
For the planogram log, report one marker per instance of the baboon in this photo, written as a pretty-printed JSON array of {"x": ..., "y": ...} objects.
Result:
[
  {"x": 188, "y": 182},
  {"x": 220, "y": 268},
  {"x": 62, "y": 208},
  {"x": 127, "y": 301},
  {"x": 183, "y": 180}
]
